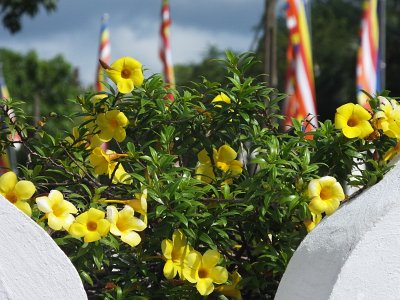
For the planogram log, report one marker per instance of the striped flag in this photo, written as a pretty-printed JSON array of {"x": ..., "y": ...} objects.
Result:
[
  {"x": 104, "y": 53},
  {"x": 8, "y": 159},
  {"x": 300, "y": 103},
  {"x": 165, "y": 47},
  {"x": 368, "y": 56}
]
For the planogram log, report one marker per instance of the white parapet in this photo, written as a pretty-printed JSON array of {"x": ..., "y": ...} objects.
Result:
[
  {"x": 32, "y": 266},
  {"x": 353, "y": 254}
]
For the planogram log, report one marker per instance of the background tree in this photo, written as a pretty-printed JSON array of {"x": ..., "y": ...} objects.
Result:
[
  {"x": 44, "y": 85},
  {"x": 13, "y": 10}
]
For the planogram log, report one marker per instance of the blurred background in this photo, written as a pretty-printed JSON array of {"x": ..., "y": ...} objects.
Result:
[{"x": 50, "y": 49}]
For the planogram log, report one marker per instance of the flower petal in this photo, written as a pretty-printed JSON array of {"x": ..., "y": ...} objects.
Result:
[
  {"x": 119, "y": 134},
  {"x": 331, "y": 206},
  {"x": 170, "y": 269},
  {"x": 317, "y": 205},
  {"x": 340, "y": 121},
  {"x": 8, "y": 182},
  {"x": 205, "y": 173},
  {"x": 346, "y": 110},
  {"x": 103, "y": 227},
  {"x": 226, "y": 154},
  {"x": 43, "y": 204},
  {"x": 24, "y": 190},
  {"x": 166, "y": 248},
  {"x": 132, "y": 238},
  {"x": 210, "y": 258},
  {"x": 77, "y": 230},
  {"x": 205, "y": 286},
  {"x": 54, "y": 222},
  {"x": 92, "y": 236},
  {"x": 203, "y": 157},
  {"x": 95, "y": 214},
  {"x": 191, "y": 265},
  {"x": 352, "y": 132},
  {"x": 125, "y": 86},
  {"x": 25, "y": 207},
  {"x": 219, "y": 275},
  {"x": 112, "y": 214},
  {"x": 361, "y": 113}
]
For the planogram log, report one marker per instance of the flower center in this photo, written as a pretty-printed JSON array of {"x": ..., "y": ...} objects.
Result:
[
  {"x": 91, "y": 226},
  {"x": 223, "y": 166},
  {"x": 57, "y": 210},
  {"x": 203, "y": 273},
  {"x": 113, "y": 123},
  {"x": 125, "y": 73},
  {"x": 122, "y": 225},
  {"x": 326, "y": 193},
  {"x": 12, "y": 197},
  {"x": 352, "y": 122},
  {"x": 176, "y": 256}
]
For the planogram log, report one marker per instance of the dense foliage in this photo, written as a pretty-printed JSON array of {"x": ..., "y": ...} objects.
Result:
[
  {"x": 208, "y": 173},
  {"x": 44, "y": 85}
]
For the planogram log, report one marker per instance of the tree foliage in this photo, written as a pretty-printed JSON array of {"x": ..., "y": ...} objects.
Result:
[
  {"x": 44, "y": 85},
  {"x": 12, "y": 11},
  {"x": 252, "y": 217}
]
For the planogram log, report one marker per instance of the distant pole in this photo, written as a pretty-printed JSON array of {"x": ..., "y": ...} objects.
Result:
[
  {"x": 382, "y": 42},
  {"x": 270, "y": 26}
]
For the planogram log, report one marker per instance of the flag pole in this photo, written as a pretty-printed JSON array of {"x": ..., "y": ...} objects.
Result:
[
  {"x": 104, "y": 53},
  {"x": 165, "y": 46},
  {"x": 382, "y": 42},
  {"x": 270, "y": 43}
]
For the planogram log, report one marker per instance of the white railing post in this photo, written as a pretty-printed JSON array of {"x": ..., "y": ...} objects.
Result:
[
  {"x": 32, "y": 266},
  {"x": 354, "y": 253}
]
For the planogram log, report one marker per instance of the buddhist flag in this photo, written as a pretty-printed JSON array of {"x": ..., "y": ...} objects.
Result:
[
  {"x": 165, "y": 47},
  {"x": 104, "y": 53},
  {"x": 8, "y": 159},
  {"x": 300, "y": 103},
  {"x": 368, "y": 56}
]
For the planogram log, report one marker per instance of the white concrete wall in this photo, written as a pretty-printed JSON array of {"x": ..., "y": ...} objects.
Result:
[
  {"x": 32, "y": 266},
  {"x": 353, "y": 254}
]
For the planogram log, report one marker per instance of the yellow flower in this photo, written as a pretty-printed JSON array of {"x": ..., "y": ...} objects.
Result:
[
  {"x": 17, "y": 192},
  {"x": 111, "y": 125},
  {"x": 325, "y": 194},
  {"x": 388, "y": 118},
  {"x": 310, "y": 224},
  {"x": 139, "y": 204},
  {"x": 102, "y": 160},
  {"x": 353, "y": 120},
  {"x": 174, "y": 252},
  {"x": 95, "y": 141},
  {"x": 126, "y": 73},
  {"x": 224, "y": 159},
  {"x": 221, "y": 97},
  {"x": 204, "y": 169},
  {"x": 120, "y": 175},
  {"x": 231, "y": 290},
  {"x": 58, "y": 211},
  {"x": 125, "y": 224},
  {"x": 392, "y": 152},
  {"x": 203, "y": 271},
  {"x": 91, "y": 225}
]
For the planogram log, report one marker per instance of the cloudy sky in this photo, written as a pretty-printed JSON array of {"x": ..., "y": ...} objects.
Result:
[{"x": 73, "y": 30}]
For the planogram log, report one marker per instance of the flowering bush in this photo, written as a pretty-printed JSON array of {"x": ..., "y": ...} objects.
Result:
[{"x": 211, "y": 169}]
